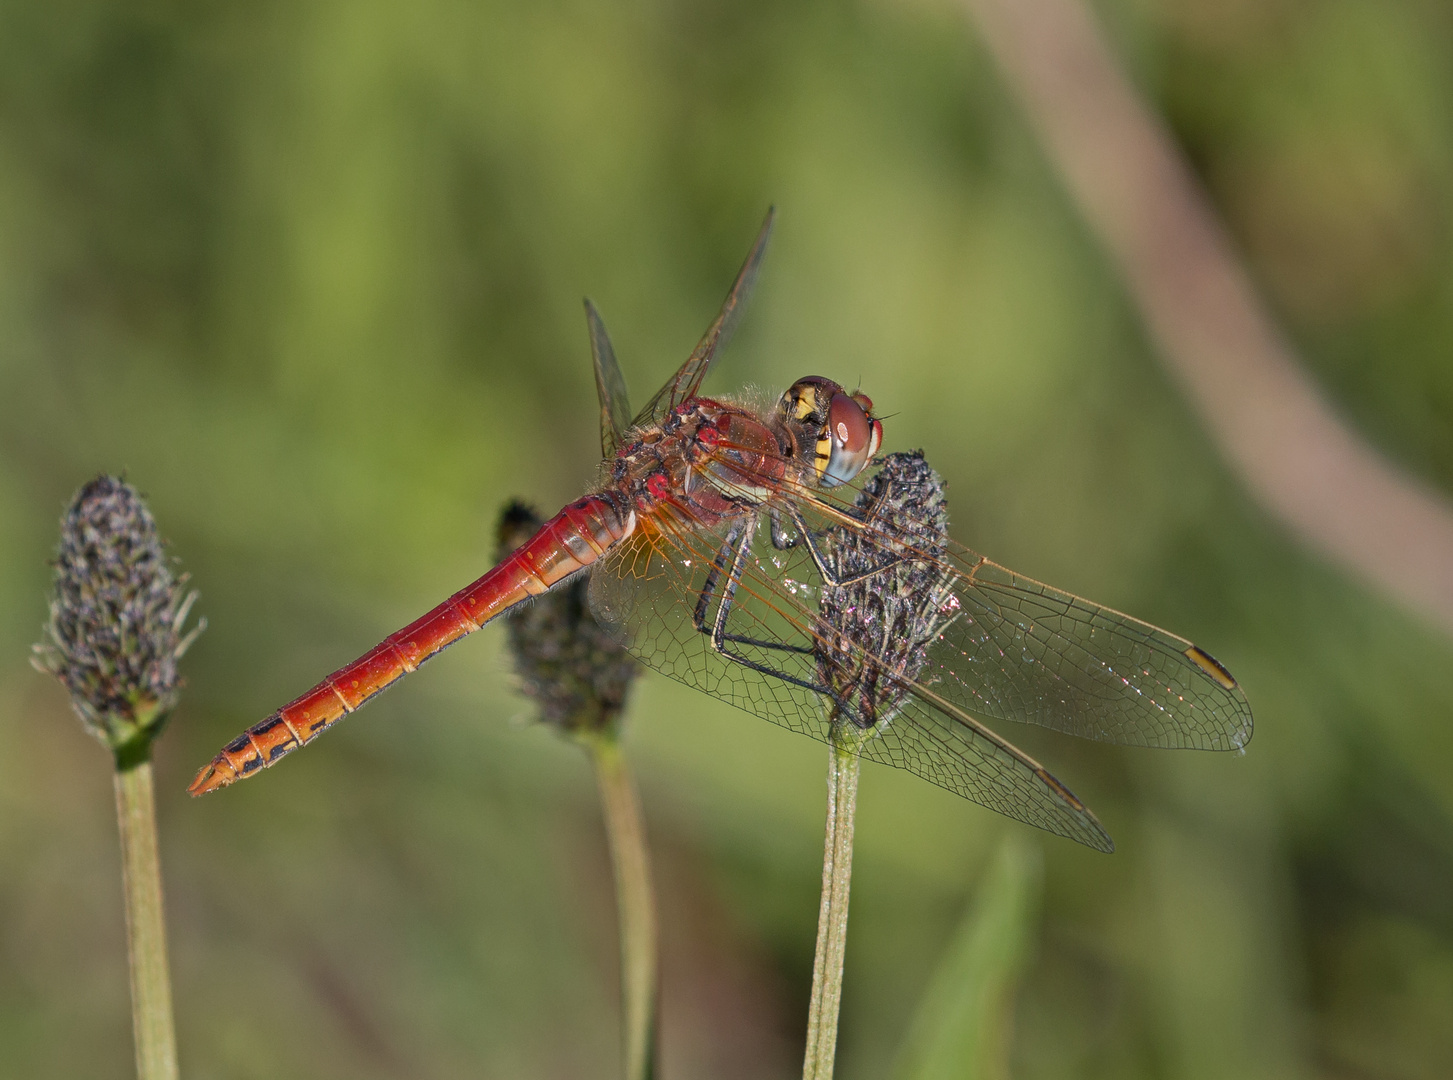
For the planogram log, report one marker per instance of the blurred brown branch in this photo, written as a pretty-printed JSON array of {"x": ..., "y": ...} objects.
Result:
[{"x": 1123, "y": 169}]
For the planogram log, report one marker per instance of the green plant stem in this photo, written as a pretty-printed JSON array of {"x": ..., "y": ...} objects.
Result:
[
  {"x": 832, "y": 914},
  {"x": 635, "y": 904},
  {"x": 151, "y": 991}
]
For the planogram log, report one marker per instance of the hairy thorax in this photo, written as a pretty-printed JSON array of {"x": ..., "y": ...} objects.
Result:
[{"x": 707, "y": 460}]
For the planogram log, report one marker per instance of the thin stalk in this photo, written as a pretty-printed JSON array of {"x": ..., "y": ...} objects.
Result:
[
  {"x": 151, "y": 990},
  {"x": 832, "y": 914},
  {"x": 635, "y": 904}
]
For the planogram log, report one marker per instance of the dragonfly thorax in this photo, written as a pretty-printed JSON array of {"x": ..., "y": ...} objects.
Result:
[{"x": 708, "y": 459}]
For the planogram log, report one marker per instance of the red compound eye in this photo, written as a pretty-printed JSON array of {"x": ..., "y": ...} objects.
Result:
[
  {"x": 848, "y": 424},
  {"x": 853, "y": 438},
  {"x": 876, "y": 439}
]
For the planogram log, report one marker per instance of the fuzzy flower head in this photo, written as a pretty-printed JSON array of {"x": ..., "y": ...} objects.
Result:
[
  {"x": 116, "y": 621},
  {"x": 574, "y": 670},
  {"x": 874, "y": 633}
]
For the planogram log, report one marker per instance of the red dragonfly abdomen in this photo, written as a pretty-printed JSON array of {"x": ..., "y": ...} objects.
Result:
[{"x": 568, "y": 542}]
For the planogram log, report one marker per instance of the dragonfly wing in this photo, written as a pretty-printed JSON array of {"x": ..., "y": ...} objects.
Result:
[
  {"x": 947, "y": 747},
  {"x": 649, "y": 591},
  {"x": 1017, "y": 649},
  {"x": 687, "y": 380},
  {"x": 1021, "y": 650},
  {"x": 610, "y": 385}
]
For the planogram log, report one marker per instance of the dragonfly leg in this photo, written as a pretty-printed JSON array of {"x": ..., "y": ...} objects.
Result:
[
  {"x": 728, "y": 594},
  {"x": 720, "y": 639},
  {"x": 829, "y": 576},
  {"x": 729, "y": 553},
  {"x": 718, "y": 564},
  {"x": 734, "y": 552}
]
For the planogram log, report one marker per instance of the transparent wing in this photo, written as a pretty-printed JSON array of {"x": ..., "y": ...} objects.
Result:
[
  {"x": 1022, "y": 650},
  {"x": 1017, "y": 649},
  {"x": 663, "y": 592},
  {"x": 610, "y": 385},
  {"x": 687, "y": 380}
]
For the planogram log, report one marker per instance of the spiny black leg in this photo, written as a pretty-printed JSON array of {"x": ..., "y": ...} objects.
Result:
[
  {"x": 729, "y": 550},
  {"x": 784, "y": 540},
  {"x": 816, "y": 688},
  {"x": 828, "y": 576},
  {"x": 729, "y": 592},
  {"x": 719, "y": 636},
  {"x": 717, "y": 566}
]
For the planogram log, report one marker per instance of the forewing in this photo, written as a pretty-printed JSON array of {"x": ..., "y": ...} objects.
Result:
[
  {"x": 1021, "y": 650},
  {"x": 685, "y": 383},
  {"x": 610, "y": 385},
  {"x": 1017, "y": 649},
  {"x": 649, "y": 588}
]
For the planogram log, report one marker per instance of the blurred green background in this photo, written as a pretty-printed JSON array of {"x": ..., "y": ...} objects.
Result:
[{"x": 311, "y": 275}]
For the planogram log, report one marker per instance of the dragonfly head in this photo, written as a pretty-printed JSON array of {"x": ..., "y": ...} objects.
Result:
[{"x": 829, "y": 430}]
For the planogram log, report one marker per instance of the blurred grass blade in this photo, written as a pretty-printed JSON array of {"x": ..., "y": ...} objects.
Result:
[{"x": 964, "y": 1021}]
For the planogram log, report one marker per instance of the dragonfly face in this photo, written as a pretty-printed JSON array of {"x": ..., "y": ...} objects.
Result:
[{"x": 828, "y": 430}]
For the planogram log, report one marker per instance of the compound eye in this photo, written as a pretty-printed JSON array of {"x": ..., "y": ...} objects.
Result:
[
  {"x": 847, "y": 424},
  {"x": 852, "y": 437},
  {"x": 876, "y": 439}
]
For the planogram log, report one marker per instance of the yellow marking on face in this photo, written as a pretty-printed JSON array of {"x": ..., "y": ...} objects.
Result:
[
  {"x": 806, "y": 403},
  {"x": 1211, "y": 666},
  {"x": 824, "y": 455}
]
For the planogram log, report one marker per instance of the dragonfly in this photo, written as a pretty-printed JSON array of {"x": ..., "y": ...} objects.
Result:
[{"x": 705, "y": 548}]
